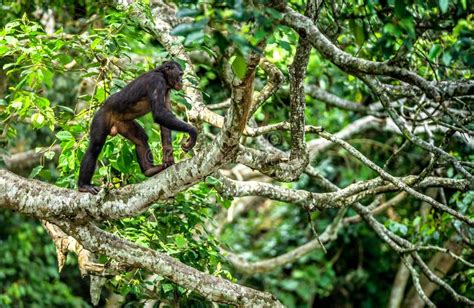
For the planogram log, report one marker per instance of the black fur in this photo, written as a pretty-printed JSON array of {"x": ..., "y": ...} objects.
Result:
[{"x": 148, "y": 93}]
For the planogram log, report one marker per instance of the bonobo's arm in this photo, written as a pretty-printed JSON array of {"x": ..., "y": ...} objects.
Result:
[
  {"x": 165, "y": 117},
  {"x": 166, "y": 139}
]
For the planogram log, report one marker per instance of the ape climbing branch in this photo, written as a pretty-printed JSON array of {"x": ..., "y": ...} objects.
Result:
[{"x": 256, "y": 169}]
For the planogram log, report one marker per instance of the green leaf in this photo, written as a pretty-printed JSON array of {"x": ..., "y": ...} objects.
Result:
[
  {"x": 447, "y": 57},
  {"x": 66, "y": 108},
  {"x": 42, "y": 102},
  {"x": 185, "y": 29},
  {"x": 37, "y": 119},
  {"x": 285, "y": 45},
  {"x": 408, "y": 25},
  {"x": 48, "y": 78},
  {"x": 12, "y": 24},
  {"x": 167, "y": 287},
  {"x": 359, "y": 34},
  {"x": 434, "y": 51},
  {"x": 182, "y": 100},
  {"x": 8, "y": 65},
  {"x": 187, "y": 12},
  {"x": 71, "y": 161},
  {"x": 220, "y": 40},
  {"x": 398, "y": 227},
  {"x": 194, "y": 37},
  {"x": 290, "y": 284},
  {"x": 239, "y": 66},
  {"x": 3, "y": 50},
  {"x": 36, "y": 170},
  {"x": 64, "y": 135},
  {"x": 392, "y": 29},
  {"x": 17, "y": 105},
  {"x": 49, "y": 155},
  {"x": 212, "y": 180},
  {"x": 443, "y": 5},
  {"x": 11, "y": 40},
  {"x": 274, "y": 13},
  {"x": 100, "y": 94},
  {"x": 227, "y": 203},
  {"x": 180, "y": 241},
  {"x": 95, "y": 43},
  {"x": 211, "y": 52},
  {"x": 68, "y": 144}
]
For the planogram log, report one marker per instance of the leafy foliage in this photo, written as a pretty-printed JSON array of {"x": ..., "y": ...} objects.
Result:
[
  {"x": 28, "y": 270},
  {"x": 51, "y": 84}
]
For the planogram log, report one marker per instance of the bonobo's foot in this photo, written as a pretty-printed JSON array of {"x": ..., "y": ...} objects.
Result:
[
  {"x": 168, "y": 162},
  {"x": 168, "y": 158},
  {"x": 89, "y": 188},
  {"x": 155, "y": 170}
]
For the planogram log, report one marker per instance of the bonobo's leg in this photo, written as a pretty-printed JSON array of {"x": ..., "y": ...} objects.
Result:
[
  {"x": 98, "y": 133},
  {"x": 166, "y": 139},
  {"x": 136, "y": 134},
  {"x": 167, "y": 144}
]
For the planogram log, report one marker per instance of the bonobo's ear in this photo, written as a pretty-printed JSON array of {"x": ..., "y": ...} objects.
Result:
[
  {"x": 172, "y": 68},
  {"x": 167, "y": 66}
]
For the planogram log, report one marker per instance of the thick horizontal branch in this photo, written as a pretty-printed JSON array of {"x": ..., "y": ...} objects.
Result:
[
  {"x": 45, "y": 201},
  {"x": 211, "y": 287}
]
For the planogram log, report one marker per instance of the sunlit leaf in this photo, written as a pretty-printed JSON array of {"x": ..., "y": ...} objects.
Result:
[
  {"x": 64, "y": 135},
  {"x": 49, "y": 155},
  {"x": 180, "y": 241},
  {"x": 239, "y": 66},
  {"x": 96, "y": 42},
  {"x": 37, "y": 119}
]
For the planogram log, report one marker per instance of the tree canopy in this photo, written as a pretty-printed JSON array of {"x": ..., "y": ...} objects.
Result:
[{"x": 334, "y": 162}]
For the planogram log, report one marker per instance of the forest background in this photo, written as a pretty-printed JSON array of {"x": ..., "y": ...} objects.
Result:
[{"x": 334, "y": 165}]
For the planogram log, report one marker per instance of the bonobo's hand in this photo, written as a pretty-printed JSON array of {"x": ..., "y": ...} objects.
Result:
[
  {"x": 89, "y": 188},
  {"x": 189, "y": 144}
]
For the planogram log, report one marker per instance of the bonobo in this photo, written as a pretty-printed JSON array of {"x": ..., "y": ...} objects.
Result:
[{"x": 148, "y": 93}]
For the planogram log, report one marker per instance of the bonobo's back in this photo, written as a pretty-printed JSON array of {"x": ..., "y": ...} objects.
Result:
[{"x": 133, "y": 92}]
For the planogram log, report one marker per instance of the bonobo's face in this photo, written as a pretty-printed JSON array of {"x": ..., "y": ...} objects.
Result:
[
  {"x": 174, "y": 76},
  {"x": 179, "y": 81}
]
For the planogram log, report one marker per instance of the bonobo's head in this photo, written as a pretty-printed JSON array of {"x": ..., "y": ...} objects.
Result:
[{"x": 173, "y": 74}]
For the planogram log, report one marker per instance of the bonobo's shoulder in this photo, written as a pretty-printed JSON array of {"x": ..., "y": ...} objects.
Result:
[{"x": 152, "y": 76}]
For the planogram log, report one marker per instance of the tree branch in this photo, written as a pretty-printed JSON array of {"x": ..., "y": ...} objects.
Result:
[
  {"x": 342, "y": 59},
  {"x": 213, "y": 288}
]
